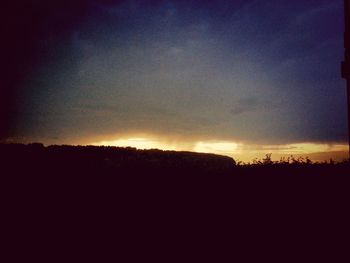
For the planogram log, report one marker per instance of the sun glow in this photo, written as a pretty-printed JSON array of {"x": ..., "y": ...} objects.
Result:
[
  {"x": 226, "y": 148},
  {"x": 140, "y": 143},
  {"x": 239, "y": 151}
]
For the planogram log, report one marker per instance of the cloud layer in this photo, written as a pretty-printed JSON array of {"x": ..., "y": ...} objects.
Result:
[{"x": 249, "y": 71}]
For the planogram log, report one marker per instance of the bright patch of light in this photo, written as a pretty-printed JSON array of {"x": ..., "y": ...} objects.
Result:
[
  {"x": 139, "y": 143},
  {"x": 227, "y": 148},
  {"x": 239, "y": 151}
]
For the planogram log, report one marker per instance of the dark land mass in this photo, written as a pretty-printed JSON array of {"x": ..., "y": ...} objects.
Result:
[
  {"x": 104, "y": 170},
  {"x": 100, "y": 168},
  {"x": 76, "y": 161},
  {"x": 152, "y": 202}
]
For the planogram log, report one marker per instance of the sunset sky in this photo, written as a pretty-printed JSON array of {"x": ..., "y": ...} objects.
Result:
[{"x": 240, "y": 78}]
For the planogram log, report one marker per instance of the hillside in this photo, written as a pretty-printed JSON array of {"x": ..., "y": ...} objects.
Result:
[{"x": 102, "y": 160}]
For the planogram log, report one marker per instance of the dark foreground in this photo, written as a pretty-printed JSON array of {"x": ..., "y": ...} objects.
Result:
[
  {"x": 99, "y": 169},
  {"x": 113, "y": 167},
  {"x": 99, "y": 161},
  {"x": 164, "y": 204}
]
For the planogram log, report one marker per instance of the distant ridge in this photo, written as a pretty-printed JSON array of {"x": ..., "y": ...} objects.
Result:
[
  {"x": 65, "y": 160},
  {"x": 112, "y": 159}
]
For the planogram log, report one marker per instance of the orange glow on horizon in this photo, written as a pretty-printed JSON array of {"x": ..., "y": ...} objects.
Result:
[
  {"x": 238, "y": 151},
  {"x": 139, "y": 143}
]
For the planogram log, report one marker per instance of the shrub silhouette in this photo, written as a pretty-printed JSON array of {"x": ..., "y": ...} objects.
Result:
[{"x": 92, "y": 160}]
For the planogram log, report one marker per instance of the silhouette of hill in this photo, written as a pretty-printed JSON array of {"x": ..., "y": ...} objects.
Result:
[
  {"x": 111, "y": 160},
  {"x": 105, "y": 160}
]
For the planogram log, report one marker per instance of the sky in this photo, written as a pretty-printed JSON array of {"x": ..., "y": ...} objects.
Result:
[{"x": 240, "y": 78}]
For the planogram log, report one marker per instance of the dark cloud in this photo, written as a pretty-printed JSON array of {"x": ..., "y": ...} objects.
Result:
[
  {"x": 253, "y": 104},
  {"x": 27, "y": 27},
  {"x": 245, "y": 70}
]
